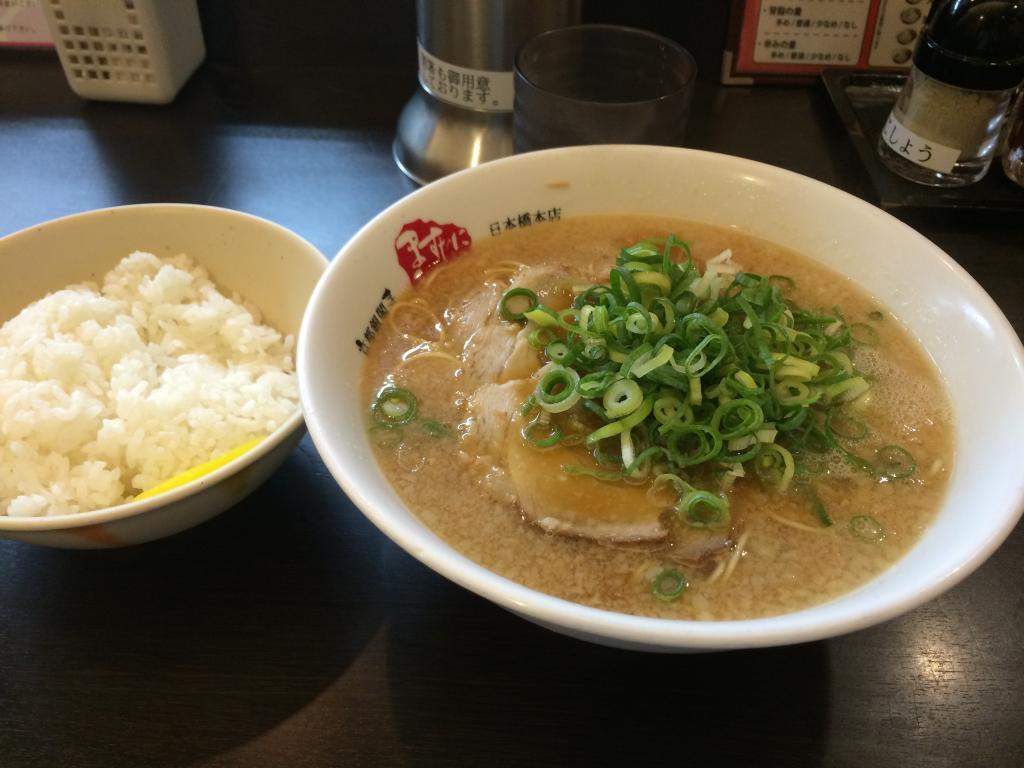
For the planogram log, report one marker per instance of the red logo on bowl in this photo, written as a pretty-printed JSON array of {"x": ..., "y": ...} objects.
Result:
[{"x": 422, "y": 245}]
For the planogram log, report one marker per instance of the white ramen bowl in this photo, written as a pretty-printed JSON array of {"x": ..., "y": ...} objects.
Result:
[
  {"x": 956, "y": 322},
  {"x": 267, "y": 264}
]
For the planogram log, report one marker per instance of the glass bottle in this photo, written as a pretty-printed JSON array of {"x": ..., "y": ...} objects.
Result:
[
  {"x": 1012, "y": 148},
  {"x": 944, "y": 128}
]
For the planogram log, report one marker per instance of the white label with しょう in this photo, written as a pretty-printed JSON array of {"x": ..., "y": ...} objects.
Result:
[{"x": 917, "y": 149}]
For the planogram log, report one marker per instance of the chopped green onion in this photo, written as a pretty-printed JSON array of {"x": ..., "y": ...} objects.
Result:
[
  {"x": 569, "y": 320},
  {"x": 605, "y": 459},
  {"x": 717, "y": 374},
  {"x": 792, "y": 367},
  {"x": 639, "y": 370},
  {"x": 719, "y": 317},
  {"x": 737, "y": 417},
  {"x": 679, "y": 485},
  {"x": 516, "y": 296},
  {"x": 540, "y": 337},
  {"x": 701, "y": 509},
  {"x": 641, "y": 353},
  {"x": 528, "y": 405},
  {"x": 670, "y": 409},
  {"x": 596, "y": 384},
  {"x": 775, "y": 466},
  {"x": 818, "y": 508},
  {"x": 637, "y": 416},
  {"x": 554, "y": 434},
  {"x": 559, "y": 352},
  {"x": 696, "y": 394},
  {"x": 857, "y": 462},
  {"x": 608, "y": 430},
  {"x": 741, "y": 443},
  {"x": 643, "y": 463},
  {"x": 842, "y": 359},
  {"x": 708, "y": 353},
  {"x": 693, "y": 444},
  {"x": 793, "y": 392},
  {"x": 622, "y": 398},
  {"x": 847, "y": 390},
  {"x": 847, "y": 427},
  {"x": 894, "y": 462},
  {"x": 435, "y": 428},
  {"x": 595, "y": 473},
  {"x": 394, "y": 407},
  {"x": 745, "y": 379},
  {"x": 862, "y": 333},
  {"x": 647, "y": 277},
  {"x": 781, "y": 282},
  {"x": 542, "y": 316},
  {"x": 668, "y": 585},
  {"x": 556, "y": 390},
  {"x": 867, "y": 529},
  {"x": 876, "y": 315}
]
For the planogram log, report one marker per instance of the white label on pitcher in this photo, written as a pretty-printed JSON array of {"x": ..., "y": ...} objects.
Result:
[
  {"x": 464, "y": 87},
  {"x": 917, "y": 149}
]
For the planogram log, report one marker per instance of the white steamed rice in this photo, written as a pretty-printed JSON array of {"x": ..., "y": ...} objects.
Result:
[{"x": 106, "y": 392}]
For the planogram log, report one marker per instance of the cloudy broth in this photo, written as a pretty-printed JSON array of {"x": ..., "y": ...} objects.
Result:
[{"x": 776, "y": 558}]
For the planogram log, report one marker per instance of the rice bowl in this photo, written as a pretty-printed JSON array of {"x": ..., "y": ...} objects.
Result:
[
  {"x": 107, "y": 392},
  {"x": 260, "y": 261}
]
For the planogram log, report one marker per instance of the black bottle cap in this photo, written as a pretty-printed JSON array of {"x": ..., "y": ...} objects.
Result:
[{"x": 974, "y": 44}]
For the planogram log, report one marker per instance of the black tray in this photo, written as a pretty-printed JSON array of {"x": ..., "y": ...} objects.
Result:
[{"x": 863, "y": 101}]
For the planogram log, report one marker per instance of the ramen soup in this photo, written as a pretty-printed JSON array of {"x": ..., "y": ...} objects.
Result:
[{"x": 708, "y": 427}]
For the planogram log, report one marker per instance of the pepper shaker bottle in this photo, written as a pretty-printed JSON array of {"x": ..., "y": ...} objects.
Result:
[{"x": 944, "y": 127}]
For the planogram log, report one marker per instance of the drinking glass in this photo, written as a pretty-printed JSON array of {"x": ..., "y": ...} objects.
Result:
[{"x": 601, "y": 84}]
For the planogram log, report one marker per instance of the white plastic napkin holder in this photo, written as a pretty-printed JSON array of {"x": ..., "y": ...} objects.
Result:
[{"x": 126, "y": 50}]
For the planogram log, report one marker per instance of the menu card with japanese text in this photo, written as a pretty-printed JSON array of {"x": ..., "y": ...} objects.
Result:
[
  {"x": 23, "y": 25},
  {"x": 779, "y": 40}
]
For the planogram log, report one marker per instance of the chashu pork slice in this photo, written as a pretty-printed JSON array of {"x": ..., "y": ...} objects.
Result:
[
  {"x": 578, "y": 505},
  {"x": 492, "y": 408},
  {"x": 476, "y": 312},
  {"x": 498, "y": 353}
]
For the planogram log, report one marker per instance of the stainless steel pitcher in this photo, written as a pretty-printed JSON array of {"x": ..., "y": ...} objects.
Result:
[{"x": 461, "y": 115}]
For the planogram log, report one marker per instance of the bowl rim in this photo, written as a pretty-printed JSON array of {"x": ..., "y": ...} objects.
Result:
[
  {"x": 266, "y": 445},
  {"x": 805, "y": 625}
]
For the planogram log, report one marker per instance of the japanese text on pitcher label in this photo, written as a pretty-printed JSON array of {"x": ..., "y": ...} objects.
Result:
[
  {"x": 918, "y": 149},
  {"x": 482, "y": 89}
]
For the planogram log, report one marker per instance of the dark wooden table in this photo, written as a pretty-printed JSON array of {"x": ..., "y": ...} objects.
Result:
[{"x": 289, "y": 631}]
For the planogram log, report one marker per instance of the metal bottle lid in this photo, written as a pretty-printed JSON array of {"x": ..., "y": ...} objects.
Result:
[{"x": 974, "y": 44}]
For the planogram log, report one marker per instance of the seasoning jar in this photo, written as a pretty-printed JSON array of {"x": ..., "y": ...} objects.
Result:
[
  {"x": 1012, "y": 147},
  {"x": 944, "y": 127}
]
